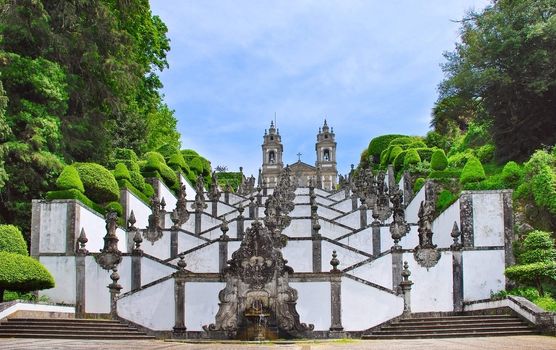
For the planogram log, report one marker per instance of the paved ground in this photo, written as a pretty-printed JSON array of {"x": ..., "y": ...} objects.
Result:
[{"x": 495, "y": 343}]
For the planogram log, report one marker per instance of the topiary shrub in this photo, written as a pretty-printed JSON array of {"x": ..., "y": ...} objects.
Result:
[
  {"x": 439, "y": 161},
  {"x": 22, "y": 273},
  {"x": 177, "y": 162},
  {"x": 458, "y": 160},
  {"x": 11, "y": 240},
  {"x": 100, "y": 185},
  {"x": 419, "y": 182},
  {"x": 379, "y": 144},
  {"x": 154, "y": 156},
  {"x": 486, "y": 153},
  {"x": 445, "y": 174},
  {"x": 71, "y": 194},
  {"x": 167, "y": 150},
  {"x": 115, "y": 207},
  {"x": 417, "y": 144},
  {"x": 207, "y": 169},
  {"x": 121, "y": 172},
  {"x": 384, "y": 158},
  {"x": 472, "y": 171},
  {"x": 196, "y": 166},
  {"x": 394, "y": 153},
  {"x": 404, "y": 140},
  {"x": 137, "y": 180},
  {"x": 125, "y": 154},
  {"x": 168, "y": 175},
  {"x": 189, "y": 154},
  {"x": 149, "y": 190},
  {"x": 411, "y": 157},
  {"x": 425, "y": 153},
  {"x": 399, "y": 160},
  {"x": 69, "y": 180},
  {"x": 444, "y": 199},
  {"x": 539, "y": 184},
  {"x": 512, "y": 174}
]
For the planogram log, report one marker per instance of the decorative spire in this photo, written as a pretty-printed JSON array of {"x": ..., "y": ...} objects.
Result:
[
  {"x": 455, "y": 236},
  {"x": 334, "y": 262},
  {"x": 110, "y": 256},
  {"x": 82, "y": 240}
]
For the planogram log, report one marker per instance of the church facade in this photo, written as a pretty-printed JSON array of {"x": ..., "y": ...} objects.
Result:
[{"x": 323, "y": 174}]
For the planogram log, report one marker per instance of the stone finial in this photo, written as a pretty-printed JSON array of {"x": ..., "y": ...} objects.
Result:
[
  {"x": 154, "y": 230},
  {"x": 240, "y": 209},
  {"x": 138, "y": 240},
  {"x": 110, "y": 256},
  {"x": 82, "y": 240},
  {"x": 224, "y": 228},
  {"x": 181, "y": 205},
  {"x": 175, "y": 217},
  {"x": 181, "y": 263},
  {"x": 131, "y": 220},
  {"x": 115, "y": 277},
  {"x": 406, "y": 273},
  {"x": 455, "y": 236},
  {"x": 163, "y": 204},
  {"x": 334, "y": 262}
]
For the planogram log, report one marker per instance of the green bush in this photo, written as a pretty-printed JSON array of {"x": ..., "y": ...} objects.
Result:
[
  {"x": 115, "y": 207},
  {"x": 486, "y": 153},
  {"x": 439, "y": 161},
  {"x": 458, "y": 160},
  {"x": 544, "y": 188},
  {"x": 125, "y": 154},
  {"x": 69, "y": 179},
  {"x": 207, "y": 169},
  {"x": 425, "y": 153},
  {"x": 137, "y": 180},
  {"x": 232, "y": 178},
  {"x": 493, "y": 182},
  {"x": 434, "y": 139},
  {"x": 394, "y": 151},
  {"x": 196, "y": 165},
  {"x": 472, "y": 171},
  {"x": 417, "y": 144},
  {"x": 149, "y": 190},
  {"x": 168, "y": 175},
  {"x": 11, "y": 240},
  {"x": 177, "y": 162},
  {"x": 167, "y": 150},
  {"x": 22, "y": 273},
  {"x": 121, "y": 172},
  {"x": 384, "y": 158},
  {"x": 411, "y": 157},
  {"x": 189, "y": 154},
  {"x": 548, "y": 303},
  {"x": 418, "y": 184},
  {"x": 404, "y": 140},
  {"x": 445, "y": 174},
  {"x": 399, "y": 160},
  {"x": 154, "y": 156},
  {"x": 100, "y": 185},
  {"x": 156, "y": 163},
  {"x": 512, "y": 174},
  {"x": 70, "y": 194},
  {"x": 379, "y": 144},
  {"x": 444, "y": 199},
  {"x": 128, "y": 185}
]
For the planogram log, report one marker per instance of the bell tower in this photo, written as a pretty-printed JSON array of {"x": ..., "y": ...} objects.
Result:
[
  {"x": 272, "y": 156},
  {"x": 326, "y": 157}
]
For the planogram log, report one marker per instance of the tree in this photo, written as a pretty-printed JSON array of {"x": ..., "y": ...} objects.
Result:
[
  {"x": 18, "y": 271},
  {"x": 535, "y": 262},
  {"x": 504, "y": 70}
]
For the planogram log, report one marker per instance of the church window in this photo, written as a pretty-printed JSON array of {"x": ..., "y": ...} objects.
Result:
[
  {"x": 271, "y": 138},
  {"x": 326, "y": 155},
  {"x": 271, "y": 157}
]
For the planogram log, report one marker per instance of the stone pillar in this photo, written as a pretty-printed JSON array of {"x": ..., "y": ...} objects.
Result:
[
  {"x": 405, "y": 286},
  {"x": 253, "y": 209},
  {"x": 227, "y": 197},
  {"x": 397, "y": 256},
  {"x": 115, "y": 289},
  {"x": 391, "y": 176},
  {"x": 508, "y": 231},
  {"x": 466, "y": 220},
  {"x": 173, "y": 243},
  {"x": 179, "y": 298},
  {"x": 198, "y": 226},
  {"x": 240, "y": 223},
  {"x": 72, "y": 227},
  {"x": 353, "y": 201},
  {"x": 317, "y": 247},
  {"x": 457, "y": 269},
  {"x": 214, "y": 207},
  {"x": 363, "y": 214},
  {"x": 80, "y": 274},
  {"x": 407, "y": 188},
  {"x": 336, "y": 328},
  {"x": 376, "y": 236},
  {"x": 223, "y": 246}
]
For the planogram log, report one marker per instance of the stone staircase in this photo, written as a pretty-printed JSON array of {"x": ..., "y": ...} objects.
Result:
[
  {"x": 69, "y": 329},
  {"x": 453, "y": 327}
]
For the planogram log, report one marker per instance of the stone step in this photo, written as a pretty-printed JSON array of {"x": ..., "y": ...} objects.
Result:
[
  {"x": 450, "y": 335},
  {"x": 63, "y": 321},
  {"x": 458, "y": 318},
  {"x": 453, "y": 325},
  {"x": 454, "y": 322},
  {"x": 66, "y": 327},
  {"x": 452, "y": 330},
  {"x": 76, "y": 336}
]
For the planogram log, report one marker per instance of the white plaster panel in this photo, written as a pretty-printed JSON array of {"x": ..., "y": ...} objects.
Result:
[
  {"x": 299, "y": 255},
  {"x": 302, "y": 190},
  {"x": 488, "y": 219},
  {"x": 301, "y": 210},
  {"x": 140, "y": 210},
  {"x": 159, "y": 249},
  {"x": 346, "y": 257},
  {"x": 328, "y": 213},
  {"x": 344, "y": 206},
  {"x": 152, "y": 270},
  {"x": 189, "y": 189},
  {"x": 234, "y": 199},
  {"x": 432, "y": 288},
  {"x": 313, "y": 303},
  {"x": 187, "y": 241},
  {"x": 152, "y": 307},
  {"x": 299, "y": 228},
  {"x": 204, "y": 259},
  {"x": 62, "y": 269},
  {"x": 201, "y": 304},
  {"x": 411, "y": 239},
  {"x": 352, "y": 219},
  {"x": 378, "y": 271},
  {"x": 208, "y": 222},
  {"x": 364, "y": 307},
  {"x": 323, "y": 201},
  {"x": 95, "y": 229},
  {"x": 169, "y": 198},
  {"x": 330, "y": 229},
  {"x": 337, "y": 196},
  {"x": 386, "y": 241},
  {"x": 53, "y": 227},
  {"x": 97, "y": 296},
  {"x": 362, "y": 240},
  {"x": 412, "y": 208},
  {"x": 443, "y": 224},
  {"x": 124, "y": 270},
  {"x": 301, "y": 199},
  {"x": 320, "y": 192},
  {"x": 224, "y": 208},
  {"x": 213, "y": 233},
  {"x": 483, "y": 273}
]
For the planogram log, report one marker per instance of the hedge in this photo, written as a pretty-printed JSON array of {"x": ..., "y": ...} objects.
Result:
[
  {"x": 137, "y": 180},
  {"x": 115, "y": 207},
  {"x": 399, "y": 160},
  {"x": 411, "y": 157},
  {"x": 125, "y": 154},
  {"x": 149, "y": 191},
  {"x": 189, "y": 154},
  {"x": 544, "y": 188},
  {"x": 394, "y": 151},
  {"x": 11, "y": 240},
  {"x": 380, "y": 143},
  {"x": 22, "y": 273},
  {"x": 167, "y": 150},
  {"x": 425, "y": 153},
  {"x": 486, "y": 153},
  {"x": 100, "y": 185},
  {"x": 69, "y": 179},
  {"x": 404, "y": 140},
  {"x": 129, "y": 186},
  {"x": 418, "y": 184},
  {"x": 512, "y": 174},
  {"x": 155, "y": 156},
  {"x": 472, "y": 171},
  {"x": 71, "y": 194},
  {"x": 177, "y": 162},
  {"x": 445, "y": 174},
  {"x": 196, "y": 165},
  {"x": 207, "y": 169},
  {"x": 439, "y": 161},
  {"x": 417, "y": 144},
  {"x": 444, "y": 200},
  {"x": 121, "y": 172},
  {"x": 156, "y": 163}
]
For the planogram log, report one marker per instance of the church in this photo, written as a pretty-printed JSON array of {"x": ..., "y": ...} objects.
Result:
[{"x": 323, "y": 174}]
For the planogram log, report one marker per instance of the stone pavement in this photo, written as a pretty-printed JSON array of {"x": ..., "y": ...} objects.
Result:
[{"x": 494, "y": 343}]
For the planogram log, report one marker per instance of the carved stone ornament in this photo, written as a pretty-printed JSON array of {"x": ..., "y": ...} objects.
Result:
[
  {"x": 153, "y": 232},
  {"x": 427, "y": 257},
  {"x": 426, "y": 253},
  {"x": 181, "y": 205},
  {"x": 214, "y": 194},
  {"x": 199, "y": 203},
  {"x": 257, "y": 292},
  {"x": 399, "y": 227},
  {"x": 110, "y": 256}
]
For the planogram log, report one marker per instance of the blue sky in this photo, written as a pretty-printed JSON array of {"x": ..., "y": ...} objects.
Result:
[{"x": 370, "y": 67}]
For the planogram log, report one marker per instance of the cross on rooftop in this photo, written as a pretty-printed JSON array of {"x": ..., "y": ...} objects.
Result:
[{"x": 299, "y": 157}]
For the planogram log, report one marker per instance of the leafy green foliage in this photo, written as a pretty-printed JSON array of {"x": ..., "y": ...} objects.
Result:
[
  {"x": 472, "y": 171},
  {"x": 503, "y": 71},
  {"x": 512, "y": 174},
  {"x": 196, "y": 165},
  {"x": 536, "y": 262},
  {"x": 231, "y": 178},
  {"x": 539, "y": 185},
  {"x": 72, "y": 194},
  {"x": 399, "y": 160},
  {"x": 177, "y": 162},
  {"x": 11, "y": 240},
  {"x": 22, "y": 273},
  {"x": 411, "y": 157},
  {"x": 439, "y": 161},
  {"x": 100, "y": 185},
  {"x": 444, "y": 199},
  {"x": 114, "y": 207},
  {"x": 394, "y": 153},
  {"x": 121, "y": 172},
  {"x": 486, "y": 153},
  {"x": 380, "y": 143},
  {"x": 137, "y": 180},
  {"x": 419, "y": 183},
  {"x": 69, "y": 179}
]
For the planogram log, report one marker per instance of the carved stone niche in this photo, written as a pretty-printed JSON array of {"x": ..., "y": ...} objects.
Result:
[{"x": 257, "y": 302}]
